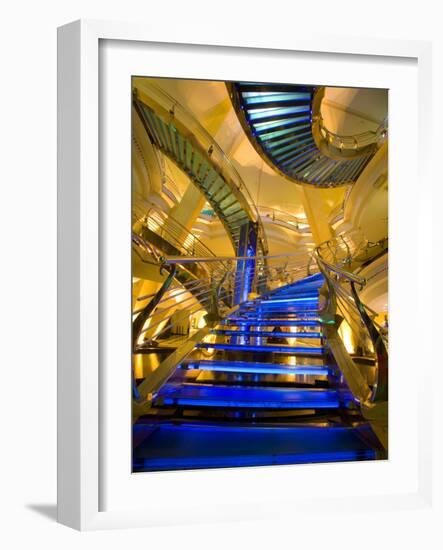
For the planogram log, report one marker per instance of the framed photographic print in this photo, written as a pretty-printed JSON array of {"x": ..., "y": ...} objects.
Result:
[{"x": 229, "y": 221}]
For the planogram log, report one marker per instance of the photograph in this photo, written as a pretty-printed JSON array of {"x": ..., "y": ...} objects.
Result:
[
  {"x": 222, "y": 249},
  {"x": 259, "y": 236}
]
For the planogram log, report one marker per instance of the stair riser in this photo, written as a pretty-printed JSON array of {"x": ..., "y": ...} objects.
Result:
[
  {"x": 263, "y": 349},
  {"x": 267, "y": 334}
]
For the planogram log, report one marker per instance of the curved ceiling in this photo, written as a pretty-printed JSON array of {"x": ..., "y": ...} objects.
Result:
[{"x": 350, "y": 111}]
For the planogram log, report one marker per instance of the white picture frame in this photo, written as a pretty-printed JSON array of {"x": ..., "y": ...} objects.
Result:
[{"x": 93, "y": 490}]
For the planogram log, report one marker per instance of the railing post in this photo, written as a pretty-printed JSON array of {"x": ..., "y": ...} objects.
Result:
[{"x": 143, "y": 316}]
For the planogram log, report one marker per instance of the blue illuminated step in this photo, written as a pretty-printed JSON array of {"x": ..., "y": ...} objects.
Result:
[
  {"x": 312, "y": 280},
  {"x": 290, "y": 297},
  {"x": 290, "y": 293},
  {"x": 174, "y": 446},
  {"x": 286, "y": 308},
  {"x": 266, "y": 333},
  {"x": 201, "y": 395},
  {"x": 302, "y": 291},
  {"x": 272, "y": 322},
  {"x": 269, "y": 348},
  {"x": 284, "y": 302},
  {"x": 254, "y": 367},
  {"x": 271, "y": 310}
]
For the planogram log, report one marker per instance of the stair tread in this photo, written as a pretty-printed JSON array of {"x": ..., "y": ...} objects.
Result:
[
  {"x": 206, "y": 445},
  {"x": 266, "y": 333},
  {"x": 246, "y": 396},
  {"x": 256, "y": 367},
  {"x": 270, "y": 348},
  {"x": 274, "y": 322}
]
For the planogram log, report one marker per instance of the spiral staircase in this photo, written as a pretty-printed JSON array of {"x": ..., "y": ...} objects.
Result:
[
  {"x": 284, "y": 124},
  {"x": 200, "y": 157}
]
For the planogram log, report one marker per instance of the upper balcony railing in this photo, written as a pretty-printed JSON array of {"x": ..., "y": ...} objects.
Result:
[
  {"x": 299, "y": 224},
  {"x": 357, "y": 141},
  {"x": 340, "y": 145}
]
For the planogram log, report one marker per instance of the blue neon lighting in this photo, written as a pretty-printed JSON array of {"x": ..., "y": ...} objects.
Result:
[
  {"x": 254, "y": 321},
  {"x": 247, "y": 397},
  {"x": 287, "y": 300},
  {"x": 265, "y": 348},
  {"x": 257, "y": 368},
  {"x": 266, "y": 333}
]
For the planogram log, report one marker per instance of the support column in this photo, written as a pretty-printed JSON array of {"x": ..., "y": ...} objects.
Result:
[
  {"x": 187, "y": 211},
  {"x": 317, "y": 213}
]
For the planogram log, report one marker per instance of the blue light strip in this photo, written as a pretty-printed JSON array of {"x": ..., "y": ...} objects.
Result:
[
  {"x": 266, "y": 333},
  {"x": 247, "y": 396},
  {"x": 287, "y": 300},
  {"x": 257, "y": 368},
  {"x": 195, "y": 402},
  {"x": 271, "y": 348},
  {"x": 254, "y": 321}
]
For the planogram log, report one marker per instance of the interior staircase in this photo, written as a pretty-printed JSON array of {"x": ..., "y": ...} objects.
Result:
[
  {"x": 282, "y": 122},
  {"x": 208, "y": 168},
  {"x": 262, "y": 388}
]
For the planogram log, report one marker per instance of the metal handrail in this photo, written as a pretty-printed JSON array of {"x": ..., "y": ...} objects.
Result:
[
  {"x": 356, "y": 141},
  {"x": 187, "y": 260},
  {"x": 154, "y": 219},
  {"x": 352, "y": 308},
  {"x": 284, "y": 217},
  {"x": 148, "y": 310},
  {"x": 181, "y": 236}
]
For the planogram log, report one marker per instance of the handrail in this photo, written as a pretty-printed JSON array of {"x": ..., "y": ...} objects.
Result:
[
  {"x": 353, "y": 309},
  {"x": 284, "y": 217},
  {"x": 380, "y": 388},
  {"x": 168, "y": 224},
  {"x": 361, "y": 143},
  {"x": 357, "y": 141},
  {"x": 143, "y": 316},
  {"x": 187, "y": 260}
]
